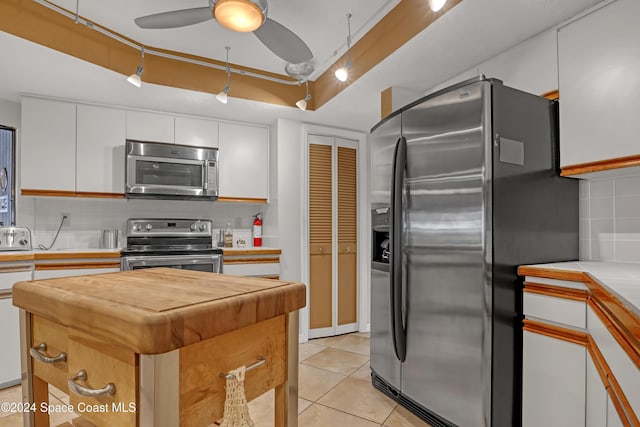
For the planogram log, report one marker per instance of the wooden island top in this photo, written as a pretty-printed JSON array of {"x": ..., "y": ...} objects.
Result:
[
  {"x": 154, "y": 311},
  {"x": 136, "y": 328}
]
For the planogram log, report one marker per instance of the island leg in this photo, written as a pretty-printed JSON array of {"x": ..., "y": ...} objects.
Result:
[
  {"x": 286, "y": 394},
  {"x": 34, "y": 390}
]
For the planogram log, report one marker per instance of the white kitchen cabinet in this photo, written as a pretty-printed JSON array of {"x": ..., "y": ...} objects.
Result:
[
  {"x": 244, "y": 161},
  {"x": 198, "y": 132},
  {"x": 100, "y": 152},
  {"x": 613, "y": 418},
  {"x": 48, "y": 145},
  {"x": 553, "y": 382},
  {"x": 146, "y": 126},
  {"x": 596, "y": 397},
  {"x": 599, "y": 82},
  {"x": 9, "y": 328}
]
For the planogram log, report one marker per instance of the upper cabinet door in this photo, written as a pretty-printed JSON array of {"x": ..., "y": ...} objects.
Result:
[
  {"x": 155, "y": 127},
  {"x": 198, "y": 132},
  {"x": 599, "y": 69},
  {"x": 48, "y": 145},
  {"x": 244, "y": 161},
  {"x": 100, "y": 155}
]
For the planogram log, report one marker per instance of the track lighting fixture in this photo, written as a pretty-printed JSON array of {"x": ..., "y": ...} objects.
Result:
[
  {"x": 302, "y": 104},
  {"x": 342, "y": 73},
  {"x": 136, "y": 78},
  {"x": 436, "y": 5},
  {"x": 222, "y": 96}
]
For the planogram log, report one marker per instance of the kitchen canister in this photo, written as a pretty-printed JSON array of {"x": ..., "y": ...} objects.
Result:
[{"x": 109, "y": 239}]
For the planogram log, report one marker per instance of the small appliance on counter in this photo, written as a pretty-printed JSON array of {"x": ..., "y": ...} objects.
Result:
[{"x": 15, "y": 239}]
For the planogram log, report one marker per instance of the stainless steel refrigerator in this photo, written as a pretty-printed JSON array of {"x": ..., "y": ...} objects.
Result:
[{"x": 464, "y": 188}]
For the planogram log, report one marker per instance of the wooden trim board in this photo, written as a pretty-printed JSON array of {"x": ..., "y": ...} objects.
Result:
[
  {"x": 601, "y": 165},
  {"x": 556, "y": 291},
  {"x": 77, "y": 265},
  {"x": 553, "y": 331},
  {"x": 60, "y": 193}
]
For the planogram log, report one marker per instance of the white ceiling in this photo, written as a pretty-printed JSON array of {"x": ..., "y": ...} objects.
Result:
[
  {"x": 321, "y": 24},
  {"x": 470, "y": 33}
]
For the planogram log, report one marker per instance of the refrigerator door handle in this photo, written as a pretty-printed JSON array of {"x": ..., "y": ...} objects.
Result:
[{"x": 397, "y": 324}]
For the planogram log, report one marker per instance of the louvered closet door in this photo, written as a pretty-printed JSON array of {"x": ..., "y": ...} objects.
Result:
[
  {"x": 347, "y": 235},
  {"x": 320, "y": 236}
]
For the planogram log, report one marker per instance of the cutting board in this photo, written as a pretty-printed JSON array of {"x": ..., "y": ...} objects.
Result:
[{"x": 152, "y": 311}]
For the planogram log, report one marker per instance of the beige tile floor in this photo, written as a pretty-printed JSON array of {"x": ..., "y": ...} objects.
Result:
[{"x": 334, "y": 390}]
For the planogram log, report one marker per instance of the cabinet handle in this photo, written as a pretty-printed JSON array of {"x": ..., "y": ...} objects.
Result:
[
  {"x": 37, "y": 353},
  {"x": 80, "y": 390}
]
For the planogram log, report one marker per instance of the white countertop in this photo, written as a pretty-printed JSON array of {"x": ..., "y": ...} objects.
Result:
[{"x": 619, "y": 278}]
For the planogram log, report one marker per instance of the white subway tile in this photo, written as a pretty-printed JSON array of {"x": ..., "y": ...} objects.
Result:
[
  {"x": 601, "y": 208},
  {"x": 627, "y": 250},
  {"x": 584, "y": 229},
  {"x": 584, "y": 186},
  {"x": 583, "y": 209},
  {"x": 627, "y": 186},
  {"x": 627, "y": 207},
  {"x": 601, "y": 189},
  {"x": 585, "y": 250},
  {"x": 602, "y": 250},
  {"x": 601, "y": 229},
  {"x": 627, "y": 225}
]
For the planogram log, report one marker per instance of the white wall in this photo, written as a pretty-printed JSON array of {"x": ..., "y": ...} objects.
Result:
[
  {"x": 289, "y": 203},
  {"x": 88, "y": 217},
  {"x": 9, "y": 113}
]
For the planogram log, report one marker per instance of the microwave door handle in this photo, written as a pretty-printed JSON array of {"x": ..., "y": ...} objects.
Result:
[{"x": 205, "y": 176}]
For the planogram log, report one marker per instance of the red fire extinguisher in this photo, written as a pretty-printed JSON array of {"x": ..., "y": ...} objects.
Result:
[{"x": 257, "y": 229}]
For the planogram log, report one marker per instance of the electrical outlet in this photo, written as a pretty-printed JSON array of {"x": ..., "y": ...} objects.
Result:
[{"x": 67, "y": 221}]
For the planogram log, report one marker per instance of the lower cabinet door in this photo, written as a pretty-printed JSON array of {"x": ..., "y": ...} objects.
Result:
[
  {"x": 613, "y": 419},
  {"x": 553, "y": 382},
  {"x": 596, "y": 397}
]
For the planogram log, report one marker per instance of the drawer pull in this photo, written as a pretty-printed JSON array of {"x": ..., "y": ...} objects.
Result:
[
  {"x": 37, "y": 353},
  {"x": 261, "y": 361},
  {"x": 80, "y": 390}
]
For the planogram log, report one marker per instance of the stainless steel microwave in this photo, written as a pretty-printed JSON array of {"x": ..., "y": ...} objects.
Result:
[{"x": 170, "y": 171}]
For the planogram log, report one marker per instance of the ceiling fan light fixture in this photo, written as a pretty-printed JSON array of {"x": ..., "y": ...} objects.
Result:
[
  {"x": 240, "y": 15},
  {"x": 436, "y": 5}
]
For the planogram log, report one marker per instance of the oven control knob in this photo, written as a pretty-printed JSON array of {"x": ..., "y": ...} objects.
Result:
[
  {"x": 137, "y": 227},
  {"x": 149, "y": 227},
  {"x": 202, "y": 227},
  {"x": 193, "y": 227}
]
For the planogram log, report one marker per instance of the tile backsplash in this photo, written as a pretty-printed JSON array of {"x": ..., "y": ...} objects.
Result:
[
  {"x": 88, "y": 217},
  {"x": 610, "y": 219}
]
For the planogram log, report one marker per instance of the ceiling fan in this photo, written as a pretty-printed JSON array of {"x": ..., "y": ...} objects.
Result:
[{"x": 241, "y": 16}]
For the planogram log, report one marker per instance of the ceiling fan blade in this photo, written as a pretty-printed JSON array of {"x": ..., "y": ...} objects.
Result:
[
  {"x": 175, "y": 19},
  {"x": 283, "y": 42}
]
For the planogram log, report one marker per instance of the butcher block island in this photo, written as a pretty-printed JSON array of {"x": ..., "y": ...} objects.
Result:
[{"x": 152, "y": 347}]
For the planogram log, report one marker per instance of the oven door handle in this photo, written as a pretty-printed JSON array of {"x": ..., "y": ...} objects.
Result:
[{"x": 171, "y": 260}]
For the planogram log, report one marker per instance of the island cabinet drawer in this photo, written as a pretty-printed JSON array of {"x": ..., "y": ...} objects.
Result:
[
  {"x": 110, "y": 374},
  {"x": 557, "y": 309},
  {"x": 202, "y": 388},
  {"x": 50, "y": 349}
]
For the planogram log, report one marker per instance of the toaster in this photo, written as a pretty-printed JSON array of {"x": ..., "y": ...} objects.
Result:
[{"x": 15, "y": 239}]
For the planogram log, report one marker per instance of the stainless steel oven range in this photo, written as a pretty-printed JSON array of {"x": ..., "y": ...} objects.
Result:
[{"x": 176, "y": 243}]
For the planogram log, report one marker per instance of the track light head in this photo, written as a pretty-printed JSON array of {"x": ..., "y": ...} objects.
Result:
[
  {"x": 436, "y": 5},
  {"x": 136, "y": 78},
  {"x": 302, "y": 104},
  {"x": 223, "y": 96}
]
